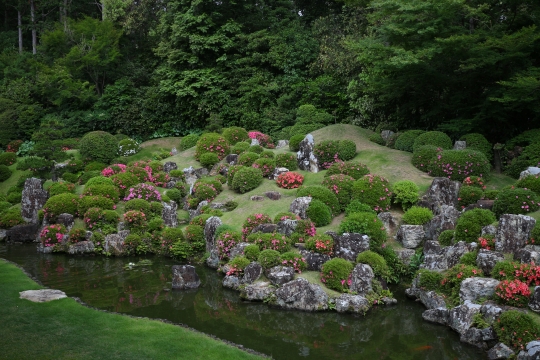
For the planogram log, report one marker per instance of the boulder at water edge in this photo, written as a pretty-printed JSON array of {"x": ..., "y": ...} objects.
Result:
[
  {"x": 361, "y": 279},
  {"x": 279, "y": 275},
  {"x": 210, "y": 236},
  {"x": 299, "y": 294},
  {"x": 185, "y": 277},
  {"x": 352, "y": 303},
  {"x": 258, "y": 291},
  {"x": 461, "y": 317},
  {"x": 499, "y": 352},
  {"x": 475, "y": 288}
]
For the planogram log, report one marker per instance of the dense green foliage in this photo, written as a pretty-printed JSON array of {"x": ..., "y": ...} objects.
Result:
[
  {"x": 99, "y": 146},
  {"x": 323, "y": 194},
  {"x": 417, "y": 215},
  {"x": 469, "y": 225},
  {"x": 515, "y": 201},
  {"x": 365, "y": 223}
]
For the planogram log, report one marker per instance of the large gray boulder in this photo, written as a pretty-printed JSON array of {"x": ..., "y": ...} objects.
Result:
[
  {"x": 352, "y": 303},
  {"x": 530, "y": 253},
  {"x": 210, "y": 236},
  {"x": 231, "y": 282},
  {"x": 314, "y": 260},
  {"x": 442, "y": 191},
  {"x": 279, "y": 275},
  {"x": 461, "y": 317},
  {"x": 287, "y": 227},
  {"x": 252, "y": 273},
  {"x": 500, "y": 351},
  {"x": 443, "y": 258},
  {"x": 486, "y": 260},
  {"x": 491, "y": 312},
  {"x": 475, "y": 288},
  {"x": 169, "y": 166},
  {"x": 445, "y": 220},
  {"x": 300, "y": 205},
  {"x": 389, "y": 221},
  {"x": 513, "y": 232},
  {"x": 534, "y": 303},
  {"x": 24, "y": 233},
  {"x": 282, "y": 144},
  {"x": 277, "y": 171},
  {"x": 438, "y": 315},
  {"x": 265, "y": 228},
  {"x": 258, "y": 291},
  {"x": 478, "y": 337},
  {"x": 168, "y": 213},
  {"x": 410, "y": 236},
  {"x": 305, "y": 157},
  {"x": 185, "y": 277},
  {"x": 460, "y": 145},
  {"x": 531, "y": 352},
  {"x": 349, "y": 245},
  {"x": 114, "y": 243},
  {"x": 299, "y": 294},
  {"x": 238, "y": 250},
  {"x": 361, "y": 279},
  {"x": 532, "y": 170},
  {"x": 67, "y": 220},
  {"x": 81, "y": 247},
  {"x": 33, "y": 199},
  {"x": 43, "y": 295},
  {"x": 430, "y": 299}
]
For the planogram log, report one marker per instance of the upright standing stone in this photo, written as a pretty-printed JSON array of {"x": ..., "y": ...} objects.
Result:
[
  {"x": 300, "y": 205},
  {"x": 33, "y": 199},
  {"x": 446, "y": 220},
  {"x": 169, "y": 166},
  {"x": 185, "y": 277},
  {"x": 67, "y": 220},
  {"x": 361, "y": 278},
  {"x": 210, "y": 236},
  {"x": 460, "y": 145},
  {"x": 307, "y": 160},
  {"x": 170, "y": 218},
  {"x": 513, "y": 232},
  {"x": 442, "y": 191},
  {"x": 282, "y": 144}
]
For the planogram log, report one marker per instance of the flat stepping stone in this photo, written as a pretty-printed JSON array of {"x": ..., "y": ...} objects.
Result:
[{"x": 43, "y": 295}]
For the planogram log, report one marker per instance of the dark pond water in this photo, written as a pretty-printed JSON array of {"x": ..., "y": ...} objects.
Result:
[{"x": 384, "y": 333}]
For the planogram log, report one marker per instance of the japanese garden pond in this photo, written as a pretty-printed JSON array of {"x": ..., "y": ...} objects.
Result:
[{"x": 143, "y": 289}]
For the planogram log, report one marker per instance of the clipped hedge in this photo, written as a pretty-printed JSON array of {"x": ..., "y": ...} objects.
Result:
[
  {"x": 469, "y": 225},
  {"x": 354, "y": 169},
  {"x": 213, "y": 143},
  {"x": 374, "y": 191},
  {"x": 294, "y": 142},
  {"x": 460, "y": 164},
  {"x": 247, "y": 179},
  {"x": 341, "y": 185},
  {"x": 288, "y": 161},
  {"x": 98, "y": 146},
  {"x": 479, "y": 143},
  {"x": 59, "y": 204},
  {"x": 323, "y": 194},
  {"x": 346, "y": 150},
  {"x": 235, "y": 134},
  {"x": 406, "y": 140},
  {"x": 435, "y": 138},
  {"x": 319, "y": 213},
  {"x": 417, "y": 215},
  {"x": 515, "y": 201},
  {"x": 189, "y": 141}
]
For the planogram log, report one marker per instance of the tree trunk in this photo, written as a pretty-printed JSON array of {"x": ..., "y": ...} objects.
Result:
[
  {"x": 19, "y": 25},
  {"x": 34, "y": 34}
]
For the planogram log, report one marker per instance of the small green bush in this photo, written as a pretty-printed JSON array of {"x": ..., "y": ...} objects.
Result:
[
  {"x": 356, "y": 206},
  {"x": 515, "y": 201},
  {"x": 341, "y": 185},
  {"x": 95, "y": 165},
  {"x": 327, "y": 152},
  {"x": 505, "y": 270},
  {"x": 128, "y": 147},
  {"x": 293, "y": 260},
  {"x": 374, "y": 191},
  {"x": 61, "y": 188},
  {"x": 69, "y": 177},
  {"x": 319, "y": 213},
  {"x": 213, "y": 143},
  {"x": 88, "y": 175},
  {"x": 531, "y": 182},
  {"x": 188, "y": 141},
  {"x": 87, "y": 202},
  {"x": 59, "y": 204},
  {"x": 273, "y": 241},
  {"x": 240, "y": 148},
  {"x": 200, "y": 220},
  {"x": 8, "y": 158},
  {"x": 138, "y": 204},
  {"x": 233, "y": 169},
  {"x": 173, "y": 235},
  {"x": 4, "y": 205},
  {"x": 257, "y": 149},
  {"x": 294, "y": 142},
  {"x": 251, "y": 252},
  {"x": 446, "y": 237},
  {"x": 479, "y": 143},
  {"x": 107, "y": 191},
  {"x": 323, "y": 194},
  {"x": 469, "y": 225},
  {"x": 208, "y": 160},
  {"x": 100, "y": 180},
  {"x": 469, "y": 195},
  {"x": 469, "y": 258},
  {"x": 5, "y": 173},
  {"x": 353, "y": 169},
  {"x": 491, "y": 194},
  {"x": 335, "y": 274},
  {"x": 269, "y": 258},
  {"x": 453, "y": 278},
  {"x": 346, "y": 150},
  {"x": 435, "y": 138},
  {"x": 376, "y": 261},
  {"x": 405, "y": 193},
  {"x": 417, "y": 215},
  {"x": 181, "y": 250},
  {"x": 460, "y": 164},
  {"x": 247, "y": 179},
  {"x": 424, "y": 157},
  {"x": 209, "y": 181},
  {"x": 175, "y": 195},
  {"x": 266, "y": 165},
  {"x": 247, "y": 158},
  {"x": 11, "y": 217},
  {"x": 377, "y": 139},
  {"x": 194, "y": 234},
  {"x": 429, "y": 280},
  {"x": 267, "y": 154},
  {"x": 406, "y": 140},
  {"x": 516, "y": 329},
  {"x": 98, "y": 146},
  {"x": 283, "y": 216},
  {"x": 366, "y": 224},
  {"x": 14, "y": 197},
  {"x": 530, "y": 156},
  {"x": 288, "y": 161},
  {"x": 235, "y": 134},
  {"x": 178, "y": 175},
  {"x": 238, "y": 264}
]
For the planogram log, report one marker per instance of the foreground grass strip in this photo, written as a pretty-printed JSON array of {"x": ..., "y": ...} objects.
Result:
[{"x": 64, "y": 329}]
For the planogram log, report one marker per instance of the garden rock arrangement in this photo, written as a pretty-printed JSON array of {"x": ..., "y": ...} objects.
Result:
[
  {"x": 185, "y": 277},
  {"x": 306, "y": 158}
]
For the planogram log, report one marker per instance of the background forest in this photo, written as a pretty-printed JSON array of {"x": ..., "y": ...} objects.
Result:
[{"x": 153, "y": 68}]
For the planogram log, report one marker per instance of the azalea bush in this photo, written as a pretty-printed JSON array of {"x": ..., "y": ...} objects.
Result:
[
  {"x": 354, "y": 169},
  {"x": 469, "y": 195},
  {"x": 59, "y": 204},
  {"x": 336, "y": 274},
  {"x": 135, "y": 220},
  {"x": 272, "y": 241},
  {"x": 226, "y": 241},
  {"x": 486, "y": 242},
  {"x": 513, "y": 292},
  {"x": 516, "y": 201},
  {"x": 252, "y": 222},
  {"x": 52, "y": 234},
  {"x": 516, "y": 329},
  {"x": 327, "y": 153},
  {"x": 247, "y": 179},
  {"x": 453, "y": 278},
  {"x": 460, "y": 164},
  {"x": 264, "y": 140},
  {"x": 374, "y": 191},
  {"x": 143, "y": 191},
  {"x": 469, "y": 225},
  {"x": 341, "y": 185},
  {"x": 214, "y": 143},
  {"x": 287, "y": 161},
  {"x": 269, "y": 258},
  {"x": 237, "y": 266},
  {"x": 290, "y": 180},
  {"x": 266, "y": 165},
  {"x": 235, "y": 134},
  {"x": 247, "y": 158},
  {"x": 322, "y": 244},
  {"x": 293, "y": 260},
  {"x": 205, "y": 191},
  {"x": 323, "y": 194}
]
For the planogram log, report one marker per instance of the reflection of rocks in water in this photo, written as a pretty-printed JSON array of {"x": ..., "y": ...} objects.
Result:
[
  {"x": 303, "y": 351},
  {"x": 180, "y": 299}
]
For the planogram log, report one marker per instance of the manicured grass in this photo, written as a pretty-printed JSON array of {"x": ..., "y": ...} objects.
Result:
[
  {"x": 64, "y": 329},
  {"x": 12, "y": 181},
  {"x": 498, "y": 181}
]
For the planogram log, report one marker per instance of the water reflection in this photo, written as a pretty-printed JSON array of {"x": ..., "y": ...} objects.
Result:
[{"x": 384, "y": 333}]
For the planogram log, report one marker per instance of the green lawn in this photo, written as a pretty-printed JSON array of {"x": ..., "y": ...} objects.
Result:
[{"x": 64, "y": 329}]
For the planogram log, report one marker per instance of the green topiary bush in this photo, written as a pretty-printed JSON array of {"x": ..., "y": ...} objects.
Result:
[
  {"x": 247, "y": 158},
  {"x": 194, "y": 234},
  {"x": 424, "y": 157},
  {"x": 200, "y": 220},
  {"x": 266, "y": 165},
  {"x": 237, "y": 265},
  {"x": 95, "y": 165},
  {"x": 11, "y": 217},
  {"x": 516, "y": 329},
  {"x": 251, "y": 252},
  {"x": 235, "y": 134},
  {"x": 374, "y": 191},
  {"x": 14, "y": 197},
  {"x": 377, "y": 139},
  {"x": 233, "y": 169},
  {"x": 515, "y": 201},
  {"x": 87, "y": 202},
  {"x": 83, "y": 179},
  {"x": 335, "y": 274},
  {"x": 469, "y": 195},
  {"x": 346, "y": 150},
  {"x": 531, "y": 182},
  {"x": 69, "y": 177},
  {"x": 273, "y": 241},
  {"x": 293, "y": 260},
  {"x": 267, "y": 154},
  {"x": 460, "y": 164},
  {"x": 377, "y": 263},
  {"x": 405, "y": 193},
  {"x": 294, "y": 142},
  {"x": 435, "y": 138},
  {"x": 5, "y": 173},
  {"x": 479, "y": 143},
  {"x": 341, "y": 185},
  {"x": 175, "y": 195},
  {"x": 189, "y": 141},
  {"x": 269, "y": 258},
  {"x": 252, "y": 221},
  {"x": 353, "y": 169},
  {"x": 287, "y": 161},
  {"x": 406, "y": 140},
  {"x": 469, "y": 225},
  {"x": 61, "y": 188},
  {"x": 323, "y": 194},
  {"x": 213, "y": 143},
  {"x": 326, "y": 152},
  {"x": 8, "y": 158},
  {"x": 319, "y": 213},
  {"x": 446, "y": 237},
  {"x": 417, "y": 215},
  {"x": 128, "y": 147},
  {"x": 62, "y": 203},
  {"x": 429, "y": 280},
  {"x": 100, "y": 180},
  {"x": 108, "y": 191},
  {"x": 98, "y": 146},
  {"x": 208, "y": 160},
  {"x": 138, "y": 204},
  {"x": 240, "y": 148},
  {"x": 469, "y": 258},
  {"x": 257, "y": 149},
  {"x": 356, "y": 206},
  {"x": 247, "y": 179},
  {"x": 367, "y": 224}
]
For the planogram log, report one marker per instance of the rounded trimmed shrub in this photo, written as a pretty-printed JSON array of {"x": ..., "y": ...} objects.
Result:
[
  {"x": 266, "y": 165},
  {"x": 285, "y": 216},
  {"x": 460, "y": 164},
  {"x": 247, "y": 179},
  {"x": 5, "y": 173},
  {"x": 376, "y": 261},
  {"x": 353, "y": 169},
  {"x": 321, "y": 193},
  {"x": 267, "y": 154},
  {"x": 247, "y": 158},
  {"x": 208, "y": 160},
  {"x": 516, "y": 329},
  {"x": 127, "y": 147},
  {"x": 513, "y": 292},
  {"x": 531, "y": 182},
  {"x": 322, "y": 244},
  {"x": 365, "y": 223},
  {"x": 293, "y": 260},
  {"x": 478, "y": 142},
  {"x": 377, "y": 139},
  {"x": 240, "y": 148},
  {"x": 175, "y": 195},
  {"x": 530, "y": 156},
  {"x": 251, "y": 252},
  {"x": 287, "y": 160},
  {"x": 252, "y": 221},
  {"x": 294, "y": 142},
  {"x": 137, "y": 204},
  {"x": 61, "y": 188},
  {"x": 100, "y": 180},
  {"x": 108, "y": 191},
  {"x": 189, "y": 141},
  {"x": 417, "y": 215},
  {"x": 405, "y": 193},
  {"x": 8, "y": 158},
  {"x": 218, "y": 186},
  {"x": 469, "y": 225},
  {"x": 52, "y": 234},
  {"x": 269, "y": 258},
  {"x": 356, "y": 206},
  {"x": 88, "y": 175},
  {"x": 424, "y": 157},
  {"x": 135, "y": 220},
  {"x": 319, "y": 213},
  {"x": 273, "y": 241},
  {"x": 233, "y": 169},
  {"x": 69, "y": 177},
  {"x": 290, "y": 180},
  {"x": 237, "y": 265},
  {"x": 95, "y": 165},
  {"x": 98, "y": 146},
  {"x": 374, "y": 191},
  {"x": 346, "y": 150},
  {"x": 4, "y": 205},
  {"x": 11, "y": 217},
  {"x": 213, "y": 143},
  {"x": 327, "y": 153},
  {"x": 257, "y": 149},
  {"x": 406, "y": 140},
  {"x": 515, "y": 201},
  {"x": 469, "y": 195},
  {"x": 59, "y": 204},
  {"x": 446, "y": 237},
  {"x": 235, "y": 134},
  {"x": 194, "y": 234},
  {"x": 87, "y": 202},
  {"x": 435, "y": 138},
  {"x": 341, "y": 185},
  {"x": 335, "y": 274}
]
